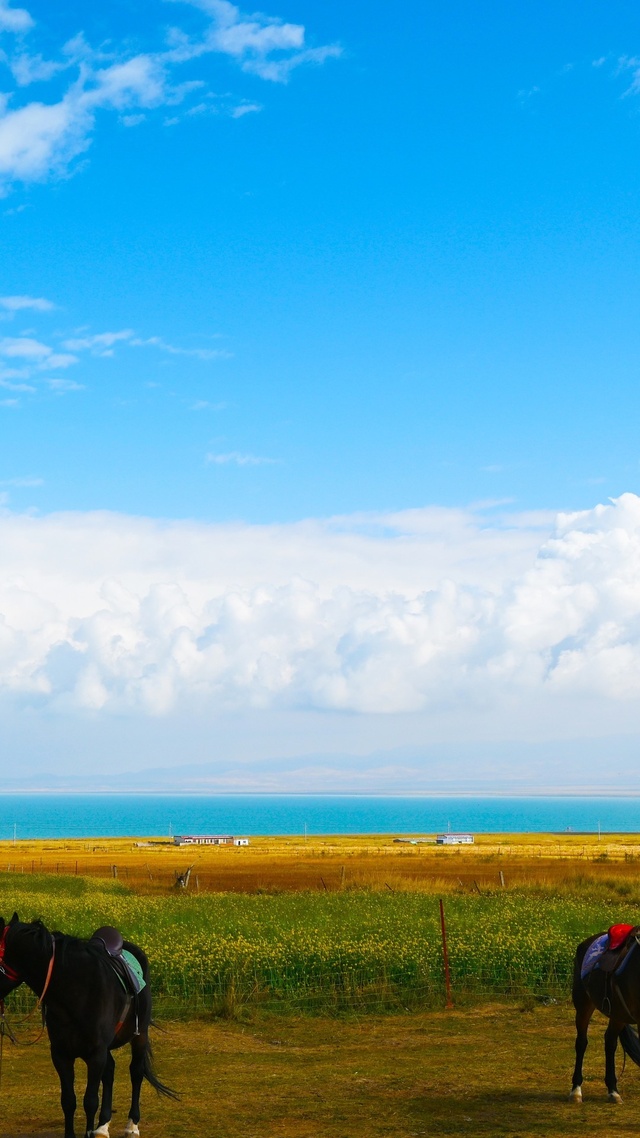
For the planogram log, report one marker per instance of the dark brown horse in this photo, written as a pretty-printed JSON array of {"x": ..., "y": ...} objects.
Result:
[
  {"x": 616, "y": 993},
  {"x": 87, "y": 1012}
]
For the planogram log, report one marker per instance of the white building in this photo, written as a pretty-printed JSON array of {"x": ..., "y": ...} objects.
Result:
[
  {"x": 455, "y": 839},
  {"x": 209, "y": 840}
]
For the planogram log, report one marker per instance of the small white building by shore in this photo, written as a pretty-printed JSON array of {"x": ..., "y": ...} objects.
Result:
[
  {"x": 455, "y": 839},
  {"x": 209, "y": 840}
]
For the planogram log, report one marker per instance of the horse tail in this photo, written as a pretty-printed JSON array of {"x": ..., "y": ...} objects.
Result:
[
  {"x": 630, "y": 1043},
  {"x": 151, "y": 1077}
]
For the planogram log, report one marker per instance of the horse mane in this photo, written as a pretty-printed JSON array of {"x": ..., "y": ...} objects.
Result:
[{"x": 68, "y": 948}]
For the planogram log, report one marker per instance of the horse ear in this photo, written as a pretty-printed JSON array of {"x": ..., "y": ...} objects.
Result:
[{"x": 14, "y": 920}]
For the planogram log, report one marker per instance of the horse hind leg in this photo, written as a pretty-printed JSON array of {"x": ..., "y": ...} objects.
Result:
[
  {"x": 611, "y": 1037},
  {"x": 584, "y": 1010},
  {"x": 136, "y": 1070}
]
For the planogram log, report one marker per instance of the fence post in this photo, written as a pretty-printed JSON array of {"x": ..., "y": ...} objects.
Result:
[{"x": 445, "y": 954}]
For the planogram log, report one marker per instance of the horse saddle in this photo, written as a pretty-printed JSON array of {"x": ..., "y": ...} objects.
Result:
[
  {"x": 125, "y": 965},
  {"x": 610, "y": 952}
]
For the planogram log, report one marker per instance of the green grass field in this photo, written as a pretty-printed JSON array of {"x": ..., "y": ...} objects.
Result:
[{"x": 361, "y": 949}]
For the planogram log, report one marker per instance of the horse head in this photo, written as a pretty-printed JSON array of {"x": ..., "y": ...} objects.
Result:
[{"x": 9, "y": 976}]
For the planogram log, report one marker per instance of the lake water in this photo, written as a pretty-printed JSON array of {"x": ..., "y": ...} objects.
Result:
[{"x": 112, "y": 815}]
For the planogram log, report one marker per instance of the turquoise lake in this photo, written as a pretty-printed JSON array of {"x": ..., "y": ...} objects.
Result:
[{"x": 111, "y": 815}]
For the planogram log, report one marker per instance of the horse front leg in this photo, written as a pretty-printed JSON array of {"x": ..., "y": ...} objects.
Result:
[
  {"x": 64, "y": 1065},
  {"x": 611, "y": 1037},
  {"x": 96, "y": 1064},
  {"x": 106, "y": 1105},
  {"x": 584, "y": 1010}
]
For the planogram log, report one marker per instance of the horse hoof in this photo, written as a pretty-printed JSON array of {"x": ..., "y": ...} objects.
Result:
[
  {"x": 576, "y": 1095},
  {"x": 613, "y": 1096}
]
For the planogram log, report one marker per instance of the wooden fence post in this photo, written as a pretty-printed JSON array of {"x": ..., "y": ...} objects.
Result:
[{"x": 445, "y": 954}]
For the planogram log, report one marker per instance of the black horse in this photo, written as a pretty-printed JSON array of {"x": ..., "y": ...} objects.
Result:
[
  {"x": 616, "y": 993},
  {"x": 88, "y": 1014}
]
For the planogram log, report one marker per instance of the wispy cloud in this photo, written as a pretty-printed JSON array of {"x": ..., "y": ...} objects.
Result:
[
  {"x": 197, "y": 353},
  {"x": 23, "y": 483},
  {"x": 237, "y": 458},
  {"x": 34, "y": 353},
  {"x": 101, "y": 344},
  {"x": 15, "y": 20},
  {"x": 40, "y": 139},
  {"x": 64, "y": 386},
  {"x": 205, "y": 405},
  {"x": 15, "y": 304},
  {"x": 31, "y": 358}
]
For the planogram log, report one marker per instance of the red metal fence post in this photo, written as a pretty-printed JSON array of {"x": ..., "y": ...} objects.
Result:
[{"x": 445, "y": 953}]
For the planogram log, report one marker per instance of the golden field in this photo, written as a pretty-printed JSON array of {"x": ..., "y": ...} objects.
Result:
[{"x": 371, "y": 861}]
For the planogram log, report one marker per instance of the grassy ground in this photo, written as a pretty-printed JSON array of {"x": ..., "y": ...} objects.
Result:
[
  {"x": 495, "y": 1070},
  {"x": 498, "y": 1069}
]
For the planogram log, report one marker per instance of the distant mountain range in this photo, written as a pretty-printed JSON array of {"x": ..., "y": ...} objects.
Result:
[{"x": 482, "y": 768}]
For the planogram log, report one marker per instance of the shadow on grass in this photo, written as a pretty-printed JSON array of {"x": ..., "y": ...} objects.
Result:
[{"x": 519, "y": 1113}]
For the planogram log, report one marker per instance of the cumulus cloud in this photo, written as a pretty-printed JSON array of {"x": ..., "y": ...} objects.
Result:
[
  {"x": 375, "y": 614},
  {"x": 41, "y": 138}
]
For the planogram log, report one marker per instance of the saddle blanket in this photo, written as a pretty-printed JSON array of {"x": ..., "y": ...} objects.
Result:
[
  {"x": 133, "y": 972},
  {"x": 612, "y": 939}
]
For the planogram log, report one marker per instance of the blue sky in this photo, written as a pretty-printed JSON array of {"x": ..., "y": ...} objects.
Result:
[
  {"x": 322, "y": 261},
  {"x": 417, "y": 261}
]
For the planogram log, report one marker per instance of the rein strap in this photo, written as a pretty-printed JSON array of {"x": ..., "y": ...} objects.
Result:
[{"x": 49, "y": 972}]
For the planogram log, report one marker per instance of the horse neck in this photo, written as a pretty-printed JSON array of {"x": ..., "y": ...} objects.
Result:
[{"x": 32, "y": 961}]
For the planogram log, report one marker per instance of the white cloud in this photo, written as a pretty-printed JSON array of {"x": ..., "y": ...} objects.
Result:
[
  {"x": 39, "y": 139},
  {"x": 35, "y": 355},
  {"x": 264, "y": 45},
  {"x": 64, "y": 386},
  {"x": 197, "y": 353},
  {"x": 23, "y": 347},
  {"x": 236, "y": 458},
  {"x": 384, "y": 614},
  {"x": 101, "y": 343},
  {"x": 245, "y": 109},
  {"x": 14, "y": 19},
  {"x": 20, "y": 303}
]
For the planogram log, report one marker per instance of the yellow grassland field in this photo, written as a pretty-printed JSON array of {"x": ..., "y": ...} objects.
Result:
[{"x": 271, "y": 864}]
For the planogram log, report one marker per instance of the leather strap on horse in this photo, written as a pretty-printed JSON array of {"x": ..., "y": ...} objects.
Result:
[{"x": 49, "y": 972}]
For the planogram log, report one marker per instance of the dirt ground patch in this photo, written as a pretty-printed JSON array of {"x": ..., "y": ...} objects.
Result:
[{"x": 494, "y": 1070}]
